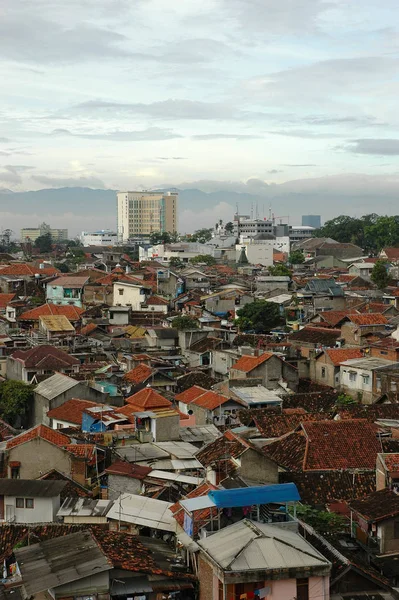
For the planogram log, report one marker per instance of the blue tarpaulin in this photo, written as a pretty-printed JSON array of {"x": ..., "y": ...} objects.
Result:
[{"x": 262, "y": 494}]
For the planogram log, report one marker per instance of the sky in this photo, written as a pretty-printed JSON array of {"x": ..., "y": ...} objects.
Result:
[{"x": 219, "y": 94}]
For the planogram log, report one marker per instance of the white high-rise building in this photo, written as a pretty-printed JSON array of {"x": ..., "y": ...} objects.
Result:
[{"x": 143, "y": 213}]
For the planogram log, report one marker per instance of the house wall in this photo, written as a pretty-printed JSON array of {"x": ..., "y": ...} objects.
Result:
[
  {"x": 222, "y": 361},
  {"x": 385, "y": 353},
  {"x": 354, "y": 335},
  {"x": 55, "y": 294},
  {"x": 257, "y": 467},
  {"x": 118, "y": 484},
  {"x": 39, "y": 456},
  {"x": 130, "y": 296},
  {"x": 386, "y": 533},
  {"x": 271, "y": 372},
  {"x": 98, "y": 294},
  {"x": 86, "y": 586},
  {"x": 13, "y": 369},
  {"x": 358, "y": 387},
  {"x": 165, "y": 429},
  {"x": 328, "y": 302},
  {"x": 387, "y": 382},
  {"x": 42, "y": 405},
  {"x": 43, "y": 511},
  {"x": 323, "y": 371},
  {"x": 380, "y": 475}
]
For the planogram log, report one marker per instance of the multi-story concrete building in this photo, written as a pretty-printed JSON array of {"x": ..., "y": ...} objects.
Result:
[
  {"x": 32, "y": 233},
  {"x": 143, "y": 213},
  {"x": 105, "y": 237}
]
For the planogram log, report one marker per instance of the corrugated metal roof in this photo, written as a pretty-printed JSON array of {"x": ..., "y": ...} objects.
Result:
[
  {"x": 35, "y": 488},
  {"x": 55, "y": 385},
  {"x": 200, "y": 434},
  {"x": 256, "y": 394},
  {"x": 143, "y": 511},
  {"x": 261, "y": 494},
  {"x": 246, "y": 546},
  {"x": 141, "y": 452},
  {"x": 84, "y": 507},
  {"x": 59, "y": 561},
  {"x": 178, "y": 449},
  {"x": 177, "y": 477}
]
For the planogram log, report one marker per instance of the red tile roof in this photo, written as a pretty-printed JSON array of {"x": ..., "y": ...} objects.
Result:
[
  {"x": 210, "y": 400},
  {"x": 334, "y": 317},
  {"x": 156, "y": 301},
  {"x": 339, "y": 355},
  {"x": 139, "y": 374},
  {"x": 391, "y": 461},
  {"x": 190, "y": 394},
  {"x": 71, "y": 411},
  {"x": 392, "y": 253},
  {"x": 377, "y": 506},
  {"x": 40, "y": 431},
  {"x": 273, "y": 426},
  {"x": 127, "y": 469},
  {"x": 148, "y": 398},
  {"x": 87, "y": 329},
  {"x": 25, "y": 269},
  {"x": 5, "y": 299},
  {"x": 45, "y": 357},
  {"x": 248, "y": 363},
  {"x": 368, "y": 319},
  {"x": 85, "y": 451},
  {"x": 72, "y": 313}
]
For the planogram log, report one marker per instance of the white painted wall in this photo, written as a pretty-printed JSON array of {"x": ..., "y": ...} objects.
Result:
[{"x": 44, "y": 510}]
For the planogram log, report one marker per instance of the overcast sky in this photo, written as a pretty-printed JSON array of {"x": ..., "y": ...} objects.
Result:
[{"x": 212, "y": 93}]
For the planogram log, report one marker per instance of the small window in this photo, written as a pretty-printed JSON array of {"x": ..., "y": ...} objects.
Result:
[
  {"x": 323, "y": 371},
  {"x": 352, "y": 376},
  {"x": 29, "y": 503},
  {"x": 19, "y": 502},
  {"x": 378, "y": 383},
  {"x": 396, "y": 530},
  {"x": 366, "y": 379},
  {"x": 15, "y": 472},
  {"x": 120, "y": 291},
  {"x": 393, "y": 386}
]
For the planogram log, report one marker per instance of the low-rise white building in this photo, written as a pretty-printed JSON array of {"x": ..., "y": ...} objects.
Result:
[
  {"x": 104, "y": 237},
  {"x": 184, "y": 251},
  {"x": 359, "y": 377},
  {"x": 259, "y": 249},
  {"x": 29, "y": 501},
  {"x": 130, "y": 294}
]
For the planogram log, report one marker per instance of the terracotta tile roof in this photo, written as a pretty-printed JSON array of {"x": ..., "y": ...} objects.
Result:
[
  {"x": 334, "y": 317},
  {"x": 156, "y": 301},
  {"x": 210, "y": 400},
  {"x": 274, "y": 426},
  {"x": 71, "y": 281},
  {"x": 225, "y": 447},
  {"x": 40, "y": 431},
  {"x": 127, "y": 469},
  {"x": 148, "y": 398},
  {"x": 316, "y": 335},
  {"x": 392, "y": 461},
  {"x": 71, "y": 411},
  {"x": 200, "y": 516},
  {"x": 339, "y": 355},
  {"x": 249, "y": 363},
  {"x": 377, "y": 506},
  {"x": 370, "y": 412},
  {"x": 368, "y": 319},
  {"x": 139, "y": 374},
  {"x": 86, "y": 452},
  {"x": 25, "y": 269},
  {"x": 206, "y": 344},
  {"x": 190, "y": 394},
  {"x": 391, "y": 253},
  {"x": 346, "y": 444},
  {"x": 345, "y": 278},
  {"x": 87, "y": 329},
  {"x": 323, "y": 401},
  {"x": 289, "y": 451},
  {"x": 375, "y": 307},
  {"x": 72, "y": 488},
  {"x": 5, "y": 299},
  {"x": 72, "y": 313},
  {"x": 324, "y": 487},
  {"x": 45, "y": 357}
]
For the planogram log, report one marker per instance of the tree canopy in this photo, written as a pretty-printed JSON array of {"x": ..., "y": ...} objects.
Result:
[
  {"x": 184, "y": 322},
  {"x": 44, "y": 243},
  {"x": 203, "y": 258},
  {"x": 371, "y": 232},
  {"x": 201, "y": 235},
  {"x": 163, "y": 237},
  {"x": 380, "y": 275},
  {"x": 259, "y": 316},
  {"x": 296, "y": 257},
  {"x": 280, "y": 270},
  {"x": 16, "y": 398}
]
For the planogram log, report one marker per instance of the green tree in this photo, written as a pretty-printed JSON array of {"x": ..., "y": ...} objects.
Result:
[
  {"x": 280, "y": 271},
  {"x": 203, "y": 258},
  {"x": 160, "y": 237},
  {"x": 63, "y": 267},
  {"x": 184, "y": 322},
  {"x": 175, "y": 262},
  {"x": 379, "y": 274},
  {"x": 325, "y": 523},
  {"x": 345, "y": 400},
  {"x": 229, "y": 227},
  {"x": 201, "y": 235},
  {"x": 16, "y": 399},
  {"x": 44, "y": 243},
  {"x": 296, "y": 257},
  {"x": 260, "y": 316}
]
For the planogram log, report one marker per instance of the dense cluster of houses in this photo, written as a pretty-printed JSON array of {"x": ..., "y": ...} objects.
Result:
[{"x": 155, "y": 462}]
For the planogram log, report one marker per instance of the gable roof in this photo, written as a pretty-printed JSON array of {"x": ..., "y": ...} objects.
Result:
[
  {"x": 249, "y": 363},
  {"x": 221, "y": 450},
  {"x": 272, "y": 426},
  {"x": 25, "y": 269},
  {"x": 328, "y": 445},
  {"x": 72, "y": 313},
  {"x": 45, "y": 357},
  {"x": 70, "y": 281},
  {"x": 391, "y": 253},
  {"x": 377, "y": 506},
  {"x": 6, "y": 299},
  {"x": 148, "y": 398},
  {"x": 139, "y": 374},
  {"x": 55, "y": 385},
  {"x": 128, "y": 469},
  {"x": 31, "y": 487},
  {"x": 40, "y": 431},
  {"x": 316, "y": 335},
  {"x": 71, "y": 411},
  {"x": 366, "y": 319},
  {"x": 156, "y": 301},
  {"x": 211, "y": 400},
  {"x": 334, "y": 317},
  {"x": 339, "y": 355},
  {"x": 190, "y": 394}
]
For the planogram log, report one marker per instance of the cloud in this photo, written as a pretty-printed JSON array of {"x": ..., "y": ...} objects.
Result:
[
  {"x": 10, "y": 174},
  {"x": 381, "y": 147},
  {"x": 299, "y": 133},
  {"x": 299, "y": 165},
  {"x": 171, "y": 158},
  {"x": 91, "y": 182},
  {"x": 4, "y": 140},
  {"x": 19, "y": 168},
  {"x": 225, "y": 136},
  {"x": 193, "y": 51},
  {"x": 274, "y": 171},
  {"x": 149, "y": 134},
  {"x": 191, "y": 219},
  {"x": 169, "y": 109},
  {"x": 26, "y": 36}
]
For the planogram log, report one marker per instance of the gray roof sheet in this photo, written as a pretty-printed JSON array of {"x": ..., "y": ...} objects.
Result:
[
  {"x": 59, "y": 561},
  {"x": 55, "y": 385},
  {"x": 84, "y": 507},
  {"x": 35, "y": 488}
]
